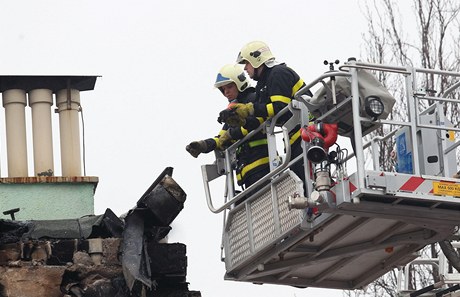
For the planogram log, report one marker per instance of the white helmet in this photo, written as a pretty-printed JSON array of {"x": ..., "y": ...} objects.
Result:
[
  {"x": 232, "y": 73},
  {"x": 256, "y": 53}
]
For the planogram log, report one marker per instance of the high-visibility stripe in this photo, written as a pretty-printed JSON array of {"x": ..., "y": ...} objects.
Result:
[
  {"x": 251, "y": 166},
  {"x": 216, "y": 140},
  {"x": 297, "y": 87},
  {"x": 258, "y": 142},
  {"x": 412, "y": 184},
  {"x": 404, "y": 183},
  {"x": 294, "y": 137},
  {"x": 352, "y": 187},
  {"x": 270, "y": 110},
  {"x": 280, "y": 98}
]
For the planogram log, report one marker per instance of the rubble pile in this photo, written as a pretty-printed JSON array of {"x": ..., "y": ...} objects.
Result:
[{"x": 102, "y": 255}]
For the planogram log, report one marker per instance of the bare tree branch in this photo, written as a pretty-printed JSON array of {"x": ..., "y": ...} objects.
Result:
[{"x": 433, "y": 43}]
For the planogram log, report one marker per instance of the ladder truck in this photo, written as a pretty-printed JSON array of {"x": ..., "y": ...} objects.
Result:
[{"x": 335, "y": 229}]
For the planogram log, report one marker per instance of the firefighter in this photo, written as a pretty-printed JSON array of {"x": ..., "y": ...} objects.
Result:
[
  {"x": 276, "y": 87},
  {"x": 252, "y": 156}
]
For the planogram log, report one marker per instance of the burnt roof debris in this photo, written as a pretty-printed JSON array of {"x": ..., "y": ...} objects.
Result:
[
  {"x": 104, "y": 226},
  {"x": 168, "y": 262},
  {"x": 100, "y": 255},
  {"x": 164, "y": 202},
  {"x": 158, "y": 207},
  {"x": 12, "y": 231},
  {"x": 92, "y": 281}
]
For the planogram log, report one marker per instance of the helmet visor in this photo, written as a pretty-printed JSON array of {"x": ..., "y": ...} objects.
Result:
[{"x": 221, "y": 81}]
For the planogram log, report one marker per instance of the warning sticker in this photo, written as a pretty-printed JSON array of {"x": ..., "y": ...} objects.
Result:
[{"x": 442, "y": 188}]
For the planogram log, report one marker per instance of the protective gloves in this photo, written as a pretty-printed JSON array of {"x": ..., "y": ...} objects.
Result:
[
  {"x": 235, "y": 121},
  {"x": 197, "y": 147},
  {"x": 223, "y": 141},
  {"x": 229, "y": 116},
  {"x": 243, "y": 110},
  {"x": 251, "y": 124}
]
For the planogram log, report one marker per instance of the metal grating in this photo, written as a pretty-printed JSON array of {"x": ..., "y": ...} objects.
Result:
[
  {"x": 266, "y": 221},
  {"x": 262, "y": 220},
  {"x": 239, "y": 237},
  {"x": 288, "y": 219}
]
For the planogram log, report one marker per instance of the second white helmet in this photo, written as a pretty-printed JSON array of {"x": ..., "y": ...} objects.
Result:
[{"x": 256, "y": 53}]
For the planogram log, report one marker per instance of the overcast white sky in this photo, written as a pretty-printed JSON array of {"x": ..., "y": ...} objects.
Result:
[{"x": 158, "y": 61}]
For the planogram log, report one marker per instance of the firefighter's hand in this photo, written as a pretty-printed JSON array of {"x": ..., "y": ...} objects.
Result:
[
  {"x": 230, "y": 117},
  {"x": 223, "y": 141},
  {"x": 224, "y": 115},
  {"x": 243, "y": 110},
  {"x": 196, "y": 147},
  {"x": 252, "y": 123},
  {"x": 235, "y": 121}
]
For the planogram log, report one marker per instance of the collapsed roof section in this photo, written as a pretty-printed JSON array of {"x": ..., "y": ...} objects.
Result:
[{"x": 102, "y": 255}]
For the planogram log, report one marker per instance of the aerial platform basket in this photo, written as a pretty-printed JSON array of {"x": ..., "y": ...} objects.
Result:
[
  {"x": 361, "y": 225},
  {"x": 345, "y": 247}
]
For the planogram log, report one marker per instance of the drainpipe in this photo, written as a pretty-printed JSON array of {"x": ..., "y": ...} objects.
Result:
[
  {"x": 68, "y": 105},
  {"x": 14, "y": 102},
  {"x": 40, "y": 101}
]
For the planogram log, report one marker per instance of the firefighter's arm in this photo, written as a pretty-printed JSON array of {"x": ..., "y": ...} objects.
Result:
[
  {"x": 195, "y": 148},
  {"x": 279, "y": 93},
  {"x": 222, "y": 140}
]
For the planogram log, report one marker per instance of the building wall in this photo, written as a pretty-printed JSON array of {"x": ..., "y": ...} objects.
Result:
[{"x": 57, "y": 198}]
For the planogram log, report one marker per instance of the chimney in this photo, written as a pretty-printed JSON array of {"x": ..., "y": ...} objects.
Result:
[
  {"x": 44, "y": 195},
  {"x": 68, "y": 103},
  {"x": 41, "y": 101},
  {"x": 14, "y": 102}
]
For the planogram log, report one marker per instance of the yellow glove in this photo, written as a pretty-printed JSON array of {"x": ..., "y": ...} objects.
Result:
[
  {"x": 223, "y": 140},
  {"x": 235, "y": 121},
  {"x": 243, "y": 110}
]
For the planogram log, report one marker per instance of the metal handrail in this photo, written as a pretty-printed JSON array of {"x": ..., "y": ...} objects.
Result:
[
  {"x": 370, "y": 66},
  {"x": 229, "y": 171},
  {"x": 396, "y": 69},
  {"x": 287, "y": 146},
  {"x": 347, "y": 70},
  {"x": 451, "y": 89},
  {"x": 403, "y": 70},
  {"x": 319, "y": 79}
]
